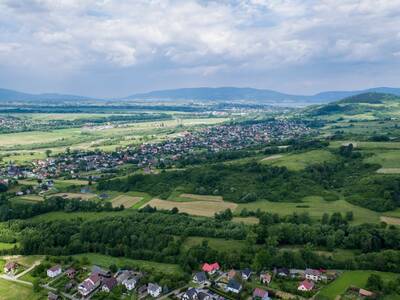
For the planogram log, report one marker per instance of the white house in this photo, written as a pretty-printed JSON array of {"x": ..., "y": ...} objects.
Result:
[
  {"x": 154, "y": 289},
  {"x": 54, "y": 271},
  {"x": 234, "y": 286},
  {"x": 312, "y": 274},
  {"x": 130, "y": 283}
]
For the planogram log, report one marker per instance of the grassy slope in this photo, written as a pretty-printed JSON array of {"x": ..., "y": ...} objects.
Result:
[
  {"x": 15, "y": 291},
  {"x": 356, "y": 278},
  {"x": 106, "y": 261},
  {"x": 299, "y": 161},
  {"x": 215, "y": 243}
]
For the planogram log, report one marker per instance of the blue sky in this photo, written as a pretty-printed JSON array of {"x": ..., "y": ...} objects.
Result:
[{"x": 117, "y": 47}]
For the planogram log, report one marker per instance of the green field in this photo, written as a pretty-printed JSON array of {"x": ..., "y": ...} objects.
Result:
[
  {"x": 6, "y": 246},
  {"x": 106, "y": 261},
  {"x": 384, "y": 158},
  {"x": 16, "y": 291},
  {"x": 355, "y": 278},
  {"x": 299, "y": 161},
  {"x": 317, "y": 207},
  {"x": 215, "y": 243}
]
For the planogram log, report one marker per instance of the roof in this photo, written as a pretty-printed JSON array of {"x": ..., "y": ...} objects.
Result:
[
  {"x": 259, "y": 293},
  {"x": 312, "y": 272},
  {"x": 52, "y": 296},
  {"x": 110, "y": 283},
  {"x": 153, "y": 287},
  {"x": 70, "y": 271},
  {"x": 55, "y": 268},
  {"x": 210, "y": 267},
  {"x": 232, "y": 273},
  {"x": 246, "y": 272},
  {"x": 201, "y": 276},
  {"x": 98, "y": 270},
  {"x": 234, "y": 284},
  {"x": 191, "y": 293},
  {"x": 94, "y": 277},
  {"x": 267, "y": 276},
  {"x": 365, "y": 293},
  {"x": 308, "y": 285},
  {"x": 11, "y": 265},
  {"x": 283, "y": 270}
]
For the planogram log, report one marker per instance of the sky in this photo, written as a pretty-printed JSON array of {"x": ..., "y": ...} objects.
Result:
[{"x": 114, "y": 48}]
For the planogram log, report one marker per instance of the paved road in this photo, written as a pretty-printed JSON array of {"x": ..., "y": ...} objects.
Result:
[
  {"x": 36, "y": 263},
  {"x": 11, "y": 278}
]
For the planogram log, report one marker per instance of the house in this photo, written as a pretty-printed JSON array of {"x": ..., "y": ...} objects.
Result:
[
  {"x": 71, "y": 272},
  {"x": 246, "y": 273},
  {"x": 232, "y": 274},
  {"x": 203, "y": 296},
  {"x": 200, "y": 277},
  {"x": 295, "y": 273},
  {"x": 282, "y": 272},
  {"x": 306, "y": 286},
  {"x": 234, "y": 286},
  {"x": 52, "y": 296},
  {"x": 89, "y": 284},
  {"x": 122, "y": 276},
  {"x": 142, "y": 291},
  {"x": 312, "y": 274},
  {"x": 265, "y": 278},
  {"x": 154, "y": 289},
  {"x": 365, "y": 293},
  {"x": 210, "y": 268},
  {"x": 130, "y": 283},
  {"x": 109, "y": 284},
  {"x": 54, "y": 271},
  {"x": 190, "y": 294},
  {"x": 10, "y": 267},
  {"x": 101, "y": 272},
  {"x": 260, "y": 294}
]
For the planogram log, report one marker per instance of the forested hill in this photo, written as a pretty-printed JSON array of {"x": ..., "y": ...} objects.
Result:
[{"x": 376, "y": 105}]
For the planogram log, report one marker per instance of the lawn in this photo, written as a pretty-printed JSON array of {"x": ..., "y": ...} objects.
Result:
[
  {"x": 355, "y": 278},
  {"x": 105, "y": 261},
  {"x": 221, "y": 245},
  {"x": 299, "y": 161},
  {"x": 16, "y": 291},
  {"x": 316, "y": 208},
  {"x": 6, "y": 246}
]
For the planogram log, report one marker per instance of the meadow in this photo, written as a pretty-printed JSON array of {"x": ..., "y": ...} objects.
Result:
[
  {"x": 221, "y": 245},
  {"x": 348, "y": 278},
  {"x": 17, "y": 291}
]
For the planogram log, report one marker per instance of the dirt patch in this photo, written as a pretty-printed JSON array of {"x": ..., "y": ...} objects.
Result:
[
  {"x": 388, "y": 171},
  {"x": 272, "y": 157},
  {"x": 390, "y": 220},
  {"x": 246, "y": 220},
  {"x": 80, "y": 196},
  {"x": 202, "y": 197},
  {"x": 125, "y": 200},
  {"x": 197, "y": 208}
]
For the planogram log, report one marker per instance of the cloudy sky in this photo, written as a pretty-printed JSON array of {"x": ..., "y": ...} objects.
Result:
[{"x": 120, "y": 47}]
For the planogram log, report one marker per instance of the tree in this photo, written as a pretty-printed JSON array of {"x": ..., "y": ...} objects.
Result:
[
  {"x": 375, "y": 282},
  {"x": 48, "y": 152},
  {"x": 349, "y": 216}
]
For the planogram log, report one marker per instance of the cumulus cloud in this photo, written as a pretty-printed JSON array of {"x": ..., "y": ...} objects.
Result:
[{"x": 203, "y": 35}]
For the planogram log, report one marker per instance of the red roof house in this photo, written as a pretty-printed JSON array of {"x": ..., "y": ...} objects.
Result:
[
  {"x": 306, "y": 286},
  {"x": 210, "y": 268}
]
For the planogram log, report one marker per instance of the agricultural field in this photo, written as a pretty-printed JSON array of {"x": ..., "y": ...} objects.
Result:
[
  {"x": 348, "y": 278},
  {"x": 299, "y": 161},
  {"x": 82, "y": 196},
  {"x": 315, "y": 206},
  {"x": 29, "y": 198},
  {"x": 206, "y": 208},
  {"x": 125, "y": 200},
  {"x": 385, "y": 158}
]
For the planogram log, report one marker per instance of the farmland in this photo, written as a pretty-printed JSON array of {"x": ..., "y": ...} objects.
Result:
[{"x": 125, "y": 200}]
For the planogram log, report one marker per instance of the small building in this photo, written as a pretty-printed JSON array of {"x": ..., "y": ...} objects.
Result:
[
  {"x": 282, "y": 272},
  {"x": 203, "y": 296},
  {"x": 200, "y": 277},
  {"x": 211, "y": 268},
  {"x": 234, "y": 286},
  {"x": 246, "y": 274},
  {"x": 52, "y": 296},
  {"x": 109, "y": 284},
  {"x": 54, "y": 271},
  {"x": 142, "y": 291},
  {"x": 265, "y": 278},
  {"x": 11, "y": 267},
  {"x": 130, "y": 283},
  {"x": 190, "y": 294},
  {"x": 89, "y": 284},
  {"x": 71, "y": 272},
  {"x": 101, "y": 272},
  {"x": 154, "y": 289},
  {"x": 311, "y": 274},
  {"x": 260, "y": 294},
  {"x": 122, "y": 275},
  {"x": 365, "y": 293},
  {"x": 306, "y": 286}
]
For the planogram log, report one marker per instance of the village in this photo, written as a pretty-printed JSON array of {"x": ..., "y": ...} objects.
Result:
[
  {"x": 81, "y": 281},
  {"x": 93, "y": 165}
]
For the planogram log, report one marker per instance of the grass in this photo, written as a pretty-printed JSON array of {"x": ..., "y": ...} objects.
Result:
[
  {"x": 60, "y": 215},
  {"x": 246, "y": 220},
  {"x": 316, "y": 208},
  {"x": 355, "y": 278},
  {"x": 7, "y": 246},
  {"x": 106, "y": 261},
  {"x": 125, "y": 200},
  {"x": 215, "y": 243},
  {"x": 299, "y": 161},
  {"x": 16, "y": 291},
  {"x": 384, "y": 158}
]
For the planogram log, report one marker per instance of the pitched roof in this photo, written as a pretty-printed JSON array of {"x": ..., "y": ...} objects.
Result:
[
  {"x": 308, "y": 285},
  {"x": 234, "y": 284},
  {"x": 55, "y": 268},
  {"x": 210, "y": 267},
  {"x": 153, "y": 287},
  {"x": 110, "y": 283},
  {"x": 312, "y": 272},
  {"x": 246, "y": 272},
  {"x": 94, "y": 277},
  {"x": 201, "y": 276},
  {"x": 365, "y": 293},
  {"x": 259, "y": 293}
]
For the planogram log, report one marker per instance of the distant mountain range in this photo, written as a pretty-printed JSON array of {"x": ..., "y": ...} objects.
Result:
[{"x": 202, "y": 95}]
